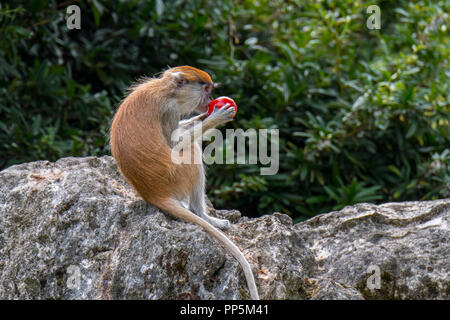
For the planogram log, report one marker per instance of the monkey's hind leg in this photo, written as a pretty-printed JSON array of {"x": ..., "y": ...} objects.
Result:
[{"x": 198, "y": 206}]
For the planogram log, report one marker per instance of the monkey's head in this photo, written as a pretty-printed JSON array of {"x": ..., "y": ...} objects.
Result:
[{"x": 193, "y": 88}]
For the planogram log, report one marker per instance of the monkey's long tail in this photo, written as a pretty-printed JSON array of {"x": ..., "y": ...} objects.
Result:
[{"x": 171, "y": 206}]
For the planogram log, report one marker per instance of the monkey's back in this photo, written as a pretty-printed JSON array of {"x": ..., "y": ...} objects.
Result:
[{"x": 143, "y": 156}]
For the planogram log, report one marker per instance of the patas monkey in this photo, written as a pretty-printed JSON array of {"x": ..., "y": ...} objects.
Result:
[{"x": 141, "y": 144}]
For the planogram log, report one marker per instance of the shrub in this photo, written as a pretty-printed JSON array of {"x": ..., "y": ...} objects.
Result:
[{"x": 363, "y": 114}]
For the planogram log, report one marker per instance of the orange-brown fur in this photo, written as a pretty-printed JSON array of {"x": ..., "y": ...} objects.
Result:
[{"x": 140, "y": 149}]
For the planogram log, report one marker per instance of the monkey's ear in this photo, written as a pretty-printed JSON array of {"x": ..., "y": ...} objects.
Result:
[{"x": 179, "y": 78}]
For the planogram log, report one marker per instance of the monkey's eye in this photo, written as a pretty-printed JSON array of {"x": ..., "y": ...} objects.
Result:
[
  {"x": 207, "y": 85},
  {"x": 182, "y": 82}
]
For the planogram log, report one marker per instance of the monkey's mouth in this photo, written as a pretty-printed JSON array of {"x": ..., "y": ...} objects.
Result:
[{"x": 204, "y": 105}]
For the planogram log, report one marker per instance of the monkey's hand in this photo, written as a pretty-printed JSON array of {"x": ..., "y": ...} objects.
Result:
[{"x": 219, "y": 116}]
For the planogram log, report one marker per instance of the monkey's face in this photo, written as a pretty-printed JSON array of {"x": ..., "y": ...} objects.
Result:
[
  {"x": 193, "y": 97},
  {"x": 193, "y": 89}
]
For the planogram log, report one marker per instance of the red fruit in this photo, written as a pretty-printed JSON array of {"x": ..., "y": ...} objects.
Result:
[{"x": 220, "y": 102}]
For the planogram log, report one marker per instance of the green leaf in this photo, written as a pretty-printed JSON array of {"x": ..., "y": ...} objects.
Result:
[
  {"x": 317, "y": 199},
  {"x": 159, "y": 7},
  {"x": 331, "y": 193},
  {"x": 395, "y": 170},
  {"x": 97, "y": 10},
  {"x": 412, "y": 130}
]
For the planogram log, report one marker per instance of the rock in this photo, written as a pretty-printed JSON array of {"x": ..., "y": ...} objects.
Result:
[
  {"x": 74, "y": 229},
  {"x": 407, "y": 244},
  {"x": 324, "y": 289}
]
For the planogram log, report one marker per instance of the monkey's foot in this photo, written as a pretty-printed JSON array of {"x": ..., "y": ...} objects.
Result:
[{"x": 222, "y": 224}]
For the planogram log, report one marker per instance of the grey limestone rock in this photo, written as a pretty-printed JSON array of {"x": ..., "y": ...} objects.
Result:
[{"x": 74, "y": 229}]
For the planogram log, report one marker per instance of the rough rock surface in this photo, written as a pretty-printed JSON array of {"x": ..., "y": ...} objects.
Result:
[{"x": 74, "y": 229}]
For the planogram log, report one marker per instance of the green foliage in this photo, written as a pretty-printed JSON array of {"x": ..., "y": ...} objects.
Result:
[{"x": 363, "y": 114}]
